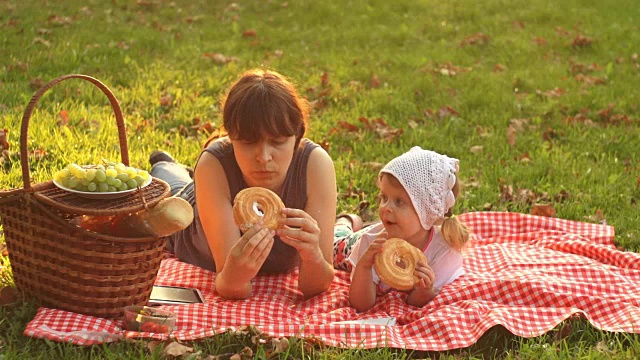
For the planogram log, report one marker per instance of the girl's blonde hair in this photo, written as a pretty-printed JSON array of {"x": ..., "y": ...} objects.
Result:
[{"x": 455, "y": 233}]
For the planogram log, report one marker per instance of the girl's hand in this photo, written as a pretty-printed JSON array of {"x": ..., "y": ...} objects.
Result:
[
  {"x": 301, "y": 231},
  {"x": 425, "y": 274},
  {"x": 423, "y": 292},
  {"x": 249, "y": 253},
  {"x": 368, "y": 258}
]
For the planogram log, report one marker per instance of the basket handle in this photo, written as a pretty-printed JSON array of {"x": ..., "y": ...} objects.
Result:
[{"x": 122, "y": 134}]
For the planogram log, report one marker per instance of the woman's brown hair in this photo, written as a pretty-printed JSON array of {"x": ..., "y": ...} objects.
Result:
[{"x": 263, "y": 102}]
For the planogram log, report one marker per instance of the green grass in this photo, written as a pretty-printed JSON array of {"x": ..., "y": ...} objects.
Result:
[{"x": 570, "y": 152}]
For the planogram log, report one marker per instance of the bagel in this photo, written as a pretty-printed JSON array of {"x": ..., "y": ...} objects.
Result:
[
  {"x": 254, "y": 204},
  {"x": 396, "y": 263},
  {"x": 168, "y": 216}
]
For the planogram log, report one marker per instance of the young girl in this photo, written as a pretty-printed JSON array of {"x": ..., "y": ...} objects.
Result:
[
  {"x": 417, "y": 191},
  {"x": 265, "y": 119}
]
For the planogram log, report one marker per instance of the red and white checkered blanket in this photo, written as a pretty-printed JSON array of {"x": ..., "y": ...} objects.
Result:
[{"x": 524, "y": 272}]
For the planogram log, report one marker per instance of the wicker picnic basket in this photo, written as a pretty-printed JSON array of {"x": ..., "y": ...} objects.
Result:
[{"x": 65, "y": 266}]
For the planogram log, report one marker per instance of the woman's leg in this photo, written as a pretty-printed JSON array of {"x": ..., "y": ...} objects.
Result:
[{"x": 174, "y": 174}]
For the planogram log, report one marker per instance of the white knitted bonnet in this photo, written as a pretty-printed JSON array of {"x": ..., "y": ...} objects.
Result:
[{"x": 428, "y": 178}]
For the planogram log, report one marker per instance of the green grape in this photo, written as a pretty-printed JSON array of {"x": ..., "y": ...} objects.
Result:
[
  {"x": 73, "y": 168},
  {"x": 65, "y": 182},
  {"x": 110, "y": 180},
  {"x": 61, "y": 175},
  {"x": 123, "y": 187},
  {"x": 73, "y": 182},
  {"x": 91, "y": 174},
  {"x": 112, "y": 188},
  {"x": 117, "y": 183},
  {"x": 101, "y": 175},
  {"x": 120, "y": 167},
  {"x": 100, "y": 166},
  {"x": 92, "y": 187},
  {"x": 139, "y": 180},
  {"x": 132, "y": 172},
  {"x": 123, "y": 177},
  {"x": 144, "y": 174},
  {"x": 84, "y": 182},
  {"x": 103, "y": 187},
  {"x": 132, "y": 184},
  {"x": 111, "y": 172}
]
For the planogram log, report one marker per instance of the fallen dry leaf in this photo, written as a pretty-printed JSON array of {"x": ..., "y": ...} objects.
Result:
[
  {"x": 475, "y": 39},
  {"x": 374, "y": 82},
  {"x": 511, "y": 135},
  {"x": 59, "y": 20},
  {"x": 176, "y": 349},
  {"x": 324, "y": 80},
  {"x": 448, "y": 69},
  {"x": 250, "y": 33},
  {"x": 279, "y": 345},
  {"x": 39, "y": 40},
  {"x": 581, "y": 41},
  {"x": 560, "y": 31},
  {"x": 506, "y": 192},
  {"x": 440, "y": 114},
  {"x": 563, "y": 333},
  {"x": 589, "y": 80},
  {"x": 598, "y": 217},
  {"x": 601, "y": 346},
  {"x": 219, "y": 58},
  {"x": 518, "y": 25},
  {"x": 499, "y": 68},
  {"x": 543, "y": 210},
  {"x": 539, "y": 40},
  {"x": 166, "y": 100},
  {"x": 555, "y": 92},
  {"x": 4, "y": 139},
  {"x": 63, "y": 117}
]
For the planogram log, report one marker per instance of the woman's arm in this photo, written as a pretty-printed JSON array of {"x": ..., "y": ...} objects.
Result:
[
  {"x": 237, "y": 259},
  {"x": 311, "y": 231}
]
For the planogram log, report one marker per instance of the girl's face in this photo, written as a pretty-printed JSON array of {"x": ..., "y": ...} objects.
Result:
[
  {"x": 397, "y": 214},
  {"x": 265, "y": 162}
]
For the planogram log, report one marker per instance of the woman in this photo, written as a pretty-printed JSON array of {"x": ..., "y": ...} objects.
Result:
[{"x": 265, "y": 120}]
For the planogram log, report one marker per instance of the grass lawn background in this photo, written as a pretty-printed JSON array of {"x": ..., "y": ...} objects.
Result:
[{"x": 538, "y": 100}]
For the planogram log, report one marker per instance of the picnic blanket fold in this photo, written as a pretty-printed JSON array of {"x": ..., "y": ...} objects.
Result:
[{"x": 523, "y": 272}]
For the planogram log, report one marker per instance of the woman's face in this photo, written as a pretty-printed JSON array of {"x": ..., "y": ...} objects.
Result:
[{"x": 265, "y": 162}]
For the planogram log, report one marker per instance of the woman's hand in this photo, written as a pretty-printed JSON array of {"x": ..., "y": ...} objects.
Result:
[
  {"x": 249, "y": 253},
  {"x": 302, "y": 232}
]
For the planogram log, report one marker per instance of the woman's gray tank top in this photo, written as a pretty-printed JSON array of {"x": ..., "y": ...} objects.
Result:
[{"x": 190, "y": 245}]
